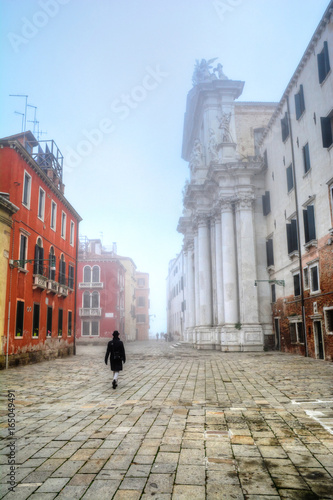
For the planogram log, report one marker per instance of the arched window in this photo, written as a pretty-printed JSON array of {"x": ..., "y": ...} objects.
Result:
[
  {"x": 87, "y": 274},
  {"x": 95, "y": 274},
  {"x": 95, "y": 300},
  {"x": 52, "y": 264},
  {"x": 62, "y": 270},
  {"x": 86, "y": 300},
  {"x": 39, "y": 256}
]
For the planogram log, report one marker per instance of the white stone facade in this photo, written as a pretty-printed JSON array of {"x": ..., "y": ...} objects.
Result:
[{"x": 176, "y": 303}]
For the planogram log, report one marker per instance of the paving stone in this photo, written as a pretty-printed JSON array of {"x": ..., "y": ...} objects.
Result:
[
  {"x": 53, "y": 485},
  {"x": 190, "y": 474},
  {"x": 133, "y": 483},
  {"x": 184, "y": 492},
  {"x": 159, "y": 483},
  {"x": 127, "y": 495},
  {"x": 72, "y": 492},
  {"x": 102, "y": 489}
]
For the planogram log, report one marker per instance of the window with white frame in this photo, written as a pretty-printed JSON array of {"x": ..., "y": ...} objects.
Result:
[
  {"x": 314, "y": 278},
  {"x": 95, "y": 274},
  {"x": 41, "y": 204},
  {"x": 309, "y": 223},
  {"x": 87, "y": 274},
  {"x": 297, "y": 284},
  {"x": 71, "y": 236},
  {"x": 328, "y": 312},
  {"x": 63, "y": 225},
  {"x": 90, "y": 328},
  {"x": 53, "y": 220},
  {"x": 306, "y": 278},
  {"x": 296, "y": 331},
  {"x": 23, "y": 250},
  {"x": 26, "y": 190}
]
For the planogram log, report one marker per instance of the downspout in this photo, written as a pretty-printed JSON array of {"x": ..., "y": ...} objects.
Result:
[
  {"x": 75, "y": 289},
  {"x": 298, "y": 233},
  {"x": 9, "y": 297}
]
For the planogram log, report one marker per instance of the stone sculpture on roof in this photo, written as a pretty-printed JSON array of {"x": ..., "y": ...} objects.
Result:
[{"x": 202, "y": 71}]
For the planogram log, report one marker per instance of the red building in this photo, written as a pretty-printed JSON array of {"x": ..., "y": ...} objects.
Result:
[
  {"x": 100, "y": 295},
  {"x": 142, "y": 305},
  {"x": 40, "y": 296}
]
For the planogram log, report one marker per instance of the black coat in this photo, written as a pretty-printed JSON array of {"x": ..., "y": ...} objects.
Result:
[{"x": 115, "y": 346}]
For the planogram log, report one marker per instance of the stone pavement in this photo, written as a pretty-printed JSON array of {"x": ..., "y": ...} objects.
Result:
[{"x": 182, "y": 424}]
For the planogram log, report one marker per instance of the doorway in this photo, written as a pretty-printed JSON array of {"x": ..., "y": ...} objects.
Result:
[
  {"x": 318, "y": 337},
  {"x": 277, "y": 334}
]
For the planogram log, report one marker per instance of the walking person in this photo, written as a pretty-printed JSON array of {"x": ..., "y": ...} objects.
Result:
[{"x": 116, "y": 351}]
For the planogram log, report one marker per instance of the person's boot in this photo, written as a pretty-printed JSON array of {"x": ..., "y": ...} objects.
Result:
[{"x": 114, "y": 383}]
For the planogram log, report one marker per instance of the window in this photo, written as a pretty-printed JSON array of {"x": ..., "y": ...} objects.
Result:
[
  {"x": 39, "y": 257},
  {"x": 90, "y": 328},
  {"x": 95, "y": 274},
  {"x": 49, "y": 322},
  {"x": 323, "y": 63},
  {"x": 269, "y": 252},
  {"x": 95, "y": 300},
  {"x": 141, "y": 282},
  {"x": 19, "y": 318},
  {"x": 331, "y": 196},
  {"x": 266, "y": 203},
  {"x": 329, "y": 320},
  {"x": 71, "y": 236},
  {"x": 306, "y": 278},
  {"x": 41, "y": 204},
  {"x": 290, "y": 177},
  {"x": 299, "y": 103},
  {"x": 306, "y": 158},
  {"x": 141, "y": 301},
  {"x": 309, "y": 224},
  {"x": 52, "y": 264},
  {"x": 86, "y": 300},
  {"x": 314, "y": 278},
  {"x": 23, "y": 250},
  {"x": 87, "y": 274},
  {"x": 63, "y": 225},
  {"x": 26, "y": 190},
  {"x": 62, "y": 270},
  {"x": 140, "y": 318},
  {"x": 273, "y": 293},
  {"x": 257, "y": 134},
  {"x": 71, "y": 276},
  {"x": 292, "y": 239},
  {"x": 53, "y": 221},
  {"x": 327, "y": 130},
  {"x": 297, "y": 284},
  {"x": 265, "y": 159},
  {"x": 35, "y": 321},
  {"x": 296, "y": 332},
  {"x": 69, "y": 329},
  {"x": 285, "y": 127},
  {"x": 60, "y": 318}
]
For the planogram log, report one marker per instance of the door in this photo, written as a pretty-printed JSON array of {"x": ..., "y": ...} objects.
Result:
[
  {"x": 277, "y": 334},
  {"x": 319, "y": 345}
]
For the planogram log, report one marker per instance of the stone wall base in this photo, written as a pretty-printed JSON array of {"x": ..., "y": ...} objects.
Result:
[{"x": 36, "y": 356}]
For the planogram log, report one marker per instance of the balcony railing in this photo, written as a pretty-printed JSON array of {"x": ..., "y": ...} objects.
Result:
[
  {"x": 62, "y": 291},
  {"x": 39, "y": 281},
  {"x": 93, "y": 284},
  {"x": 90, "y": 311},
  {"x": 52, "y": 286}
]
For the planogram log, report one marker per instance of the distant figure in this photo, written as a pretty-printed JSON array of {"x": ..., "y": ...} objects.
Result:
[
  {"x": 117, "y": 355},
  {"x": 157, "y": 336}
]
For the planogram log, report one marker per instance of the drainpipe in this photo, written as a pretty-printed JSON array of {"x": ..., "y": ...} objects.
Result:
[
  {"x": 75, "y": 289},
  {"x": 9, "y": 297},
  {"x": 298, "y": 233}
]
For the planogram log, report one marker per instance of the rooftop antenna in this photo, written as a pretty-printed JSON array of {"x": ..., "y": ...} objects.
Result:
[
  {"x": 18, "y": 113},
  {"x": 38, "y": 131},
  {"x": 25, "y": 110},
  {"x": 34, "y": 121}
]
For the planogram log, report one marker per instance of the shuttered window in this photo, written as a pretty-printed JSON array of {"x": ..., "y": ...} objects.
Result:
[
  {"x": 297, "y": 285},
  {"x": 309, "y": 224},
  {"x": 306, "y": 158},
  {"x": 266, "y": 203},
  {"x": 292, "y": 239},
  {"x": 290, "y": 178},
  {"x": 326, "y": 131},
  {"x": 323, "y": 63},
  {"x": 285, "y": 127},
  {"x": 269, "y": 252},
  {"x": 299, "y": 102}
]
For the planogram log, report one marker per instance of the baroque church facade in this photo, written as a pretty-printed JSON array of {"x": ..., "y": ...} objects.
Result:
[{"x": 257, "y": 259}]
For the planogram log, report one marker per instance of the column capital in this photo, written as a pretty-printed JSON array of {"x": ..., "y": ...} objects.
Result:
[
  {"x": 201, "y": 220},
  {"x": 245, "y": 202},
  {"x": 226, "y": 204}
]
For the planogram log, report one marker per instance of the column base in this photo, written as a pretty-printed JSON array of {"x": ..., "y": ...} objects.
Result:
[
  {"x": 249, "y": 337},
  {"x": 205, "y": 337}
]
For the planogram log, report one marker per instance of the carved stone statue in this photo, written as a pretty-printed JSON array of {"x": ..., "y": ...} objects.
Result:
[
  {"x": 224, "y": 126},
  {"x": 196, "y": 155},
  {"x": 220, "y": 74},
  {"x": 212, "y": 146}
]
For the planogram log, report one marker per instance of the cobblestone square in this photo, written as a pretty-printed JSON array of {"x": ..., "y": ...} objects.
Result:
[{"x": 181, "y": 424}]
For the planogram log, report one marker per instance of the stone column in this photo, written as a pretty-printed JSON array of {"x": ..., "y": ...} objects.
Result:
[
  {"x": 196, "y": 284},
  {"x": 205, "y": 283},
  {"x": 247, "y": 260},
  {"x": 190, "y": 292},
  {"x": 230, "y": 289},
  {"x": 219, "y": 272}
]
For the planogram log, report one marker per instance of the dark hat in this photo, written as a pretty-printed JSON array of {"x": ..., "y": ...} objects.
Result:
[{"x": 115, "y": 333}]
